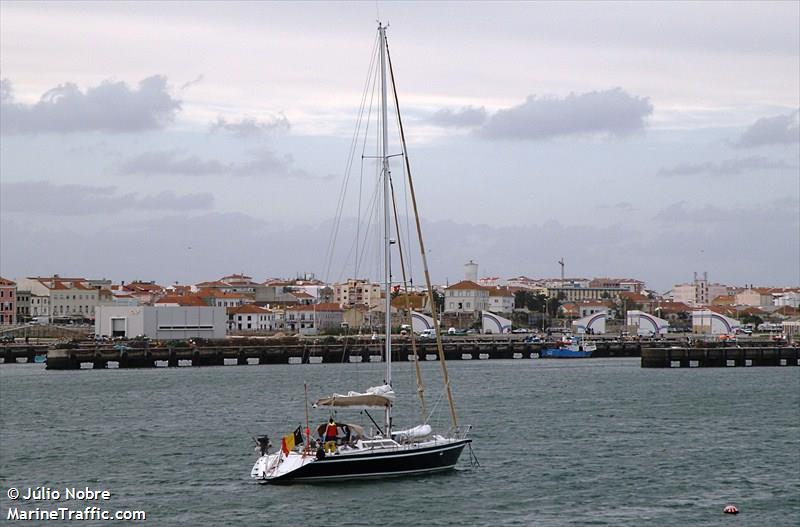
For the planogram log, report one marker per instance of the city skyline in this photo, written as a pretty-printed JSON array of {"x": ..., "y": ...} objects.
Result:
[{"x": 183, "y": 141}]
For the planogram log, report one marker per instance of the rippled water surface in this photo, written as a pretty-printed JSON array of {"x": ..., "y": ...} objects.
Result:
[{"x": 581, "y": 442}]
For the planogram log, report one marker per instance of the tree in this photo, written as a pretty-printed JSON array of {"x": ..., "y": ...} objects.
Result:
[
  {"x": 438, "y": 299},
  {"x": 521, "y": 299},
  {"x": 755, "y": 320}
]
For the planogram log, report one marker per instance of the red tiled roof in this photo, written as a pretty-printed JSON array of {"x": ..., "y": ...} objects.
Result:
[
  {"x": 416, "y": 301},
  {"x": 204, "y": 293},
  {"x": 635, "y": 297},
  {"x": 247, "y": 308},
  {"x": 186, "y": 300},
  {"x": 673, "y": 307},
  {"x": 143, "y": 286},
  {"x": 236, "y": 277},
  {"x": 4, "y": 281},
  {"x": 466, "y": 285},
  {"x": 499, "y": 291},
  {"x": 215, "y": 283},
  {"x": 300, "y": 294},
  {"x": 329, "y": 306}
]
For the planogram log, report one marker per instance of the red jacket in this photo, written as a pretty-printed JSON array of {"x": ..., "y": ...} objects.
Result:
[{"x": 330, "y": 431}]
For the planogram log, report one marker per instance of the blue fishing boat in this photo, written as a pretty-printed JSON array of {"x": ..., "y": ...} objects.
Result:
[{"x": 575, "y": 349}]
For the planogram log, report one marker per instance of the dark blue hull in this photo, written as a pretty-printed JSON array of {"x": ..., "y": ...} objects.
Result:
[{"x": 378, "y": 464}]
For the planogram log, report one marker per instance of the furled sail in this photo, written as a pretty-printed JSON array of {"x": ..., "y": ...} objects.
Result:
[{"x": 376, "y": 396}]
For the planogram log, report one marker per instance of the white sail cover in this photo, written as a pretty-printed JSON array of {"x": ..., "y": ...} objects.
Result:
[
  {"x": 418, "y": 432},
  {"x": 376, "y": 396}
]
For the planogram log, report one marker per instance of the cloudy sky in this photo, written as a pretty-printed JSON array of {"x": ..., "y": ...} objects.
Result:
[{"x": 182, "y": 142}]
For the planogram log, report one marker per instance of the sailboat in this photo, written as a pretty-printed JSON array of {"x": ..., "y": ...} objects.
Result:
[{"x": 387, "y": 452}]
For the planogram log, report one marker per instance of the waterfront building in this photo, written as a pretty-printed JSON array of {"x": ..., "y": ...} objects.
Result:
[
  {"x": 40, "y": 307},
  {"x": 23, "y": 306},
  {"x": 313, "y": 319},
  {"x": 250, "y": 317},
  {"x": 8, "y": 302},
  {"x": 501, "y": 300},
  {"x": 161, "y": 322},
  {"x": 466, "y": 297},
  {"x": 67, "y": 298}
]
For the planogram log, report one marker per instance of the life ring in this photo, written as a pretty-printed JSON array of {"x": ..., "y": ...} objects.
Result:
[{"x": 730, "y": 509}]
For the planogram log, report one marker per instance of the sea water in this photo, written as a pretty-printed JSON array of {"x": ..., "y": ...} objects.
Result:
[{"x": 560, "y": 442}]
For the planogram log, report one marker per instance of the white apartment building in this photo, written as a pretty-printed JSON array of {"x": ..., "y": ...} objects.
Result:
[
  {"x": 311, "y": 319},
  {"x": 357, "y": 292},
  {"x": 251, "y": 317},
  {"x": 466, "y": 297},
  {"x": 755, "y": 297},
  {"x": 501, "y": 300},
  {"x": 66, "y": 297},
  {"x": 699, "y": 293},
  {"x": 788, "y": 298}
]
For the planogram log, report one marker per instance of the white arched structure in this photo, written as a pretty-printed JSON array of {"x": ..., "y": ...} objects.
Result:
[{"x": 646, "y": 324}]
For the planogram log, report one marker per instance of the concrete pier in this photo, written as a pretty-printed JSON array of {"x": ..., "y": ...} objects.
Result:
[
  {"x": 720, "y": 357},
  {"x": 654, "y": 354}
]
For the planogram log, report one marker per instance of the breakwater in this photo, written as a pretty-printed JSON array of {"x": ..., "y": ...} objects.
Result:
[
  {"x": 654, "y": 354},
  {"x": 720, "y": 356},
  {"x": 151, "y": 356}
]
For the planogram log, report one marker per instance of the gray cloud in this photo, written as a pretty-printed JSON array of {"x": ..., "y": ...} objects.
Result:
[
  {"x": 249, "y": 127},
  {"x": 464, "y": 117},
  {"x": 262, "y": 162},
  {"x": 108, "y": 107},
  {"x": 624, "y": 206},
  {"x": 611, "y": 112},
  {"x": 266, "y": 163},
  {"x": 192, "y": 82},
  {"x": 780, "y": 212},
  {"x": 172, "y": 162},
  {"x": 42, "y": 197},
  {"x": 664, "y": 257},
  {"x": 777, "y": 130},
  {"x": 728, "y": 167}
]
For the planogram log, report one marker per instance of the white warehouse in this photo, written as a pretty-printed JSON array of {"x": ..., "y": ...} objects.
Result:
[{"x": 161, "y": 322}]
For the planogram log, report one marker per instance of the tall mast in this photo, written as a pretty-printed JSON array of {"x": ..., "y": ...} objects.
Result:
[{"x": 387, "y": 276}]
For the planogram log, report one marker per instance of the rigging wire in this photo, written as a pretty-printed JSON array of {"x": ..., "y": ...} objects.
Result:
[
  {"x": 349, "y": 163},
  {"x": 363, "y": 156}
]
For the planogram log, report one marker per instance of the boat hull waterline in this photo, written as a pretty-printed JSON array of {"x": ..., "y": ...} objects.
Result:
[{"x": 397, "y": 462}]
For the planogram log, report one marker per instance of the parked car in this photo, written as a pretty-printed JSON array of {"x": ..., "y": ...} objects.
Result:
[{"x": 427, "y": 334}]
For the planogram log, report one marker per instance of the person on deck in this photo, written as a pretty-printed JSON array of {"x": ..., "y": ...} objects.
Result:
[{"x": 330, "y": 436}]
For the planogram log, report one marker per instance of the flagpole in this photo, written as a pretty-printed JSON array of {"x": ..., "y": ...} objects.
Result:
[{"x": 308, "y": 430}]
